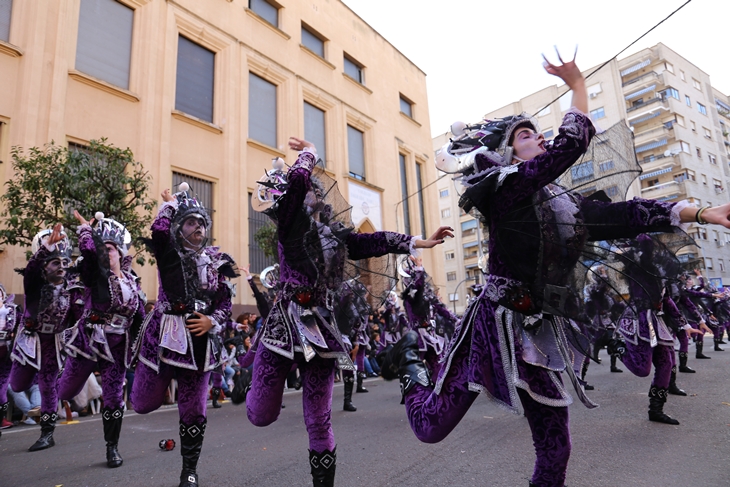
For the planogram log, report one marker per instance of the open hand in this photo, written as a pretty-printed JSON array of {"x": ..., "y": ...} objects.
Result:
[
  {"x": 568, "y": 72},
  {"x": 56, "y": 235},
  {"x": 299, "y": 144},
  {"x": 81, "y": 219},
  {"x": 718, "y": 215},
  {"x": 166, "y": 195},
  {"x": 437, "y": 238}
]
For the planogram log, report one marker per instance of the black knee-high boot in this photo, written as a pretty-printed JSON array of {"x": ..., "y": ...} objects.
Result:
[
  {"x": 48, "y": 424},
  {"x": 3, "y": 412},
  {"x": 699, "y": 354},
  {"x": 614, "y": 368},
  {"x": 657, "y": 398},
  {"x": 673, "y": 389},
  {"x": 349, "y": 382},
  {"x": 402, "y": 360},
  {"x": 112, "y": 420},
  {"x": 215, "y": 393},
  {"x": 683, "y": 364},
  {"x": 717, "y": 345},
  {"x": 583, "y": 372},
  {"x": 323, "y": 467},
  {"x": 360, "y": 377},
  {"x": 191, "y": 442}
]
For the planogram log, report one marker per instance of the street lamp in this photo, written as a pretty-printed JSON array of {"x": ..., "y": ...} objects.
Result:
[{"x": 470, "y": 278}]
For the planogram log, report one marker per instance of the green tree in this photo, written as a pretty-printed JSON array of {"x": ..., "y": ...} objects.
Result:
[
  {"x": 267, "y": 239},
  {"x": 49, "y": 183}
]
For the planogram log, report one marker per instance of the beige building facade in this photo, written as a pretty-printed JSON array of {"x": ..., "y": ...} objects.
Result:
[
  {"x": 208, "y": 91},
  {"x": 681, "y": 127}
]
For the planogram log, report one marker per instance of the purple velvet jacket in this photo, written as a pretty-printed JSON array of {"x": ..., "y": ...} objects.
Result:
[
  {"x": 163, "y": 337},
  {"x": 312, "y": 256},
  {"x": 105, "y": 310}
]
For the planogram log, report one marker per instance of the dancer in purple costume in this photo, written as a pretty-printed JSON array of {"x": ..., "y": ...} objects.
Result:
[
  {"x": 417, "y": 301},
  {"x": 691, "y": 316},
  {"x": 648, "y": 327},
  {"x": 395, "y": 321},
  {"x": 314, "y": 243},
  {"x": 496, "y": 347},
  {"x": 718, "y": 309},
  {"x": 53, "y": 301},
  {"x": 102, "y": 338},
  {"x": 180, "y": 337},
  {"x": 703, "y": 302},
  {"x": 9, "y": 320},
  {"x": 601, "y": 306}
]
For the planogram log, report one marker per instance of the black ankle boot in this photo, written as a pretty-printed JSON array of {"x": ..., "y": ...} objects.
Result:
[
  {"x": 583, "y": 372},
  {"x": 349, "y": 381},
  {"x": 673, "y": 389},
  {"x": 360, "y": 377},
  {"x": 403, "y": 361},
  {"x": 717, "y": 346},
  {"x": 191, "y": 442},
  {"x": 216, "y": 393},
  {"x": 48, "y": 424},
  {"x": 112, "y": 420},
  {"x": 683, "y": 364},
  {"x": 657, "y": 398},
  {"x": 323, "y": 467},
  {"x": 699, "y": 353},
  {"x": 613, "y": 363}
]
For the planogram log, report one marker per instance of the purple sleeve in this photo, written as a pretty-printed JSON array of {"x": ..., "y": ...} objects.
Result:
[
  {"x": 575, "y": 135},
  {"x": 33, "y": 281},
  {"x": 299, "y": 179},
  {"x": 626, "y": 219},
  {"x": 365, "y": 245},
  {"x": 161, "y": 227},
  {"x": 261, "y": 302},
  {"x": 89, "y": 265},
  {"x": 675, "y": 316},
  {"x": 222, "y": 302}
]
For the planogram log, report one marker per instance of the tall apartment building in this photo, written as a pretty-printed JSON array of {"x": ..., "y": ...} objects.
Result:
[
  {"x": 680, "y": 124},
  {"x": 208, "y": 91}
]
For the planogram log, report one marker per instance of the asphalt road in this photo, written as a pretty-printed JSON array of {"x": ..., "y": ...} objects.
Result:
[{"x": 614, "y": 445}]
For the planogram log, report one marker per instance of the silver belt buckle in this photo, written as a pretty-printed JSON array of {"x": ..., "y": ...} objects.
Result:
[
  {"x": 47, "y": 328},
  {"x": 3, "y": 335},
  {"x": 200, "y": 306}
]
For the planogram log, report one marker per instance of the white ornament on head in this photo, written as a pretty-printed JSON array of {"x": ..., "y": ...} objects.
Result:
[
  {"x": 278, "y": 163},
  {"x": 183, "y": 187},
  {"x": 99, "y": 216},
  {"x": 458, "y": 128}
]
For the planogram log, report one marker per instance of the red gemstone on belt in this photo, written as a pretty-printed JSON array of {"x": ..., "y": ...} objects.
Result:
[
  {"x": 179, "y": 307},
  {"x": 522, "y": 302},
  {"x": 94, "y": 317},
  {"x": 29, "y": 323},
  {"x": 303, "y": 297}
]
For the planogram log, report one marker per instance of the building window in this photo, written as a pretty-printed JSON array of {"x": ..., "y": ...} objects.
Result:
[
  {"x": 262, "y": 110},
  {"x": 268, "y": 11},
  {"x": 548, "y": 134},
  {"x": 256, "y": 255},
  {"x": 699, "y": 152},
  {"x": 701, "y": 108},
  {"x": 104, "y": 46},
  {"x": 195, "y": 77},
  {"x": 446, "y": 213},
  {"x": 696, "y": 84},
  {"x": 712, "y": 158},
  {"x": 421, "y": 206},
  {"x": 543, "y": 112},
  {"x": 582, "y": 172},
  {"x": 679, "y": 119},
  {"x": 468, "y": 228},
  {"x": 727, "y": 238},
  {"x": 406, "y": 106},
  {"x": 356, "y": 153},
  {"x": 354, "y": 70},
  {"x": 708, "y": 134},
  {"x": 612, "y": 191},
  {"x": 404, "y": 193},
  {"x": 451, "y": 276},
  {"x": 681, "y": 75},
  {"x": 203, "y": 192},
  {"x": 313, "y": 41},
  {"x": 606, "y": 166},
  {"x": 693, "y": 125},
  {"x": 669, "y": 67},
  {"x": 702, "y": 233},
  {"x": 6, "y": 9},
  {"x": 708, "y": 262},
  {"x": 450, "y": 255},
  {"x": 687, "y": 100},
  {"x": 443, "y": 193},
  {"x": 314, "y": 130},
  {"x": 721, "y": 265},
  {"x": 691, "y": 175},
  {"x": 671, "y": 92},
  {"x": 598, "y": 113},
  {"x": 717, "y": 184},
  {"x": 704, "y": 181},
  {"x": 684, "y": 146}
]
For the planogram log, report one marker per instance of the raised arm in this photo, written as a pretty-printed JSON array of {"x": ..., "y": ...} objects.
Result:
[
  {"x": 162, "y": 223},
  {"x": 365, "y": 245},
  {"x": 299, "y": 183}
]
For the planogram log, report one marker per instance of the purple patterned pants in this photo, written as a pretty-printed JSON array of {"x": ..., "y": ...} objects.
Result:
[
  {"x": 263, "y": 402},
  {"x": 360, "y": 358},
  {"x": 638, "y": 359},
  {"x": 148, "y": 391},
  {"x": 21, "y": 376},
  {"x": 77, "y": 371},
  {"x": 433, "y": 416},
  {"x": 5, "y": 366}
]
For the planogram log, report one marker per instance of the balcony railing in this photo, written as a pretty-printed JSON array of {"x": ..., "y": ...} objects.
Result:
[
  {"x": 646, "y": 103},
  {"x": 644, "y": 78},
  {"x": 648, "y": 135},
  {"x": 663, "y": 190}
]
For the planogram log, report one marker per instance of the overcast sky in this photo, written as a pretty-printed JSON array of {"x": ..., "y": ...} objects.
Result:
[{"x": 480, "y": 55}]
